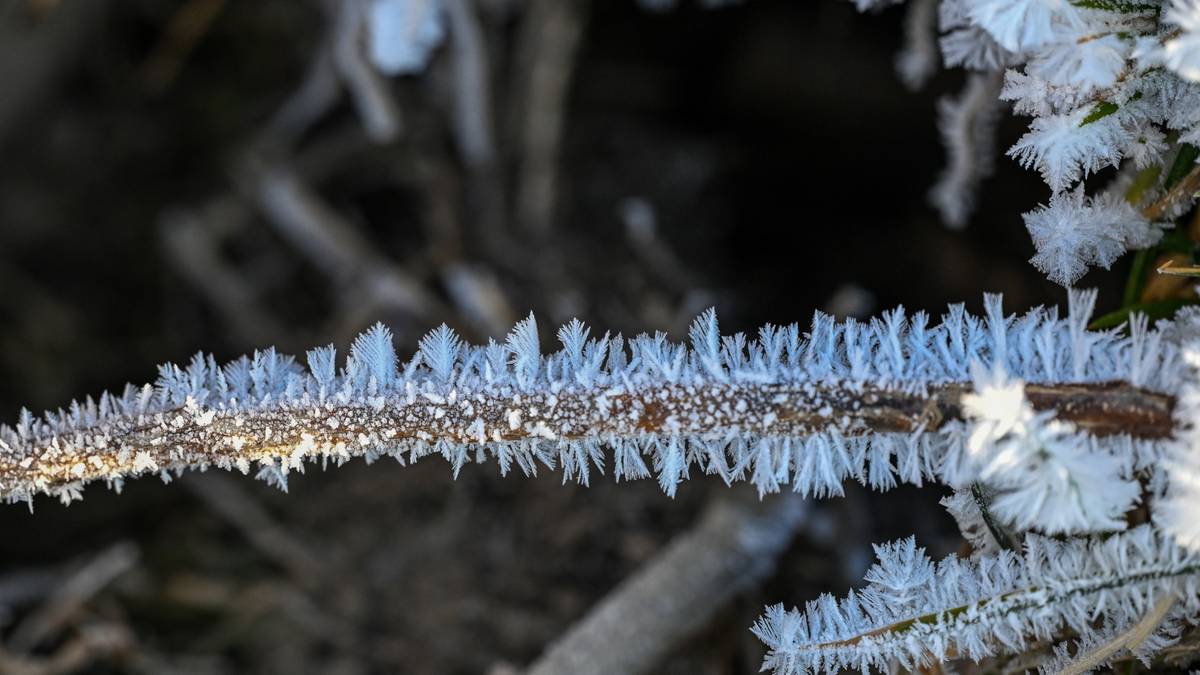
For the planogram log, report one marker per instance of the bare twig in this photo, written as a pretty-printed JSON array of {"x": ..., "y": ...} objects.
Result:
[
  {"x": 247, "y": 604},
  {"x": 93, "y": 643},
  {"x": 1130, "y": 639},
  {"x": 477, "y": 296},
  {"x": 21, "y": 587},
  {"x": 190, "y": 22},
  {"x": 645, "y": 618},
  {"x": 191, "y": 241},
  {"x": 72, "y": 594},
  {"x": 224, "y": 498},
  {"x": 315, "y": 96},
  {"x": 378, "y": 109},
  {"x": 472, "y": 86},
  {"x": 550, "y": 36},
  {"x": 1184, "y": 190},
  {"x": 659, "y": 260},
  {"x": 301, "y": 216},
  {"x": 1168, "y": 267}
]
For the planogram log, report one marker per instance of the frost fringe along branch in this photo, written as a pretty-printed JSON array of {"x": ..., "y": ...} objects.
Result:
[{"x": 809, "y": 410}]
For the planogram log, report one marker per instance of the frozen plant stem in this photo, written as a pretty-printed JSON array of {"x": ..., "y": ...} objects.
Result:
[
  {"x": 189, "y": 436},
  {"x": 1055, "y": 409},
  {"x": 918, "y": 612},
  {"x": 876, "y": 402},
  {"x": 1130, "y": 639},
  {"x": 978, "y": 493}
]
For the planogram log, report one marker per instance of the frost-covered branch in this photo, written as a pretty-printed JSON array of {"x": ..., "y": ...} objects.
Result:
[
  {"x": 841, "y": 400},
  {"x": 1128, "y": 640},
  {"x": 918, "y": 612},
  {"x": 1064, "y": 429},
  {"x": 968, "y": 128}
]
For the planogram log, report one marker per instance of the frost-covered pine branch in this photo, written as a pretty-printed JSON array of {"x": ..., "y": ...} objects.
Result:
[{"x": 1108, "y": 83}]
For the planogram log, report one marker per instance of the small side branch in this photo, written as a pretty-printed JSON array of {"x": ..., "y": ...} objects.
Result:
[{"x": 1130, "y": 639}]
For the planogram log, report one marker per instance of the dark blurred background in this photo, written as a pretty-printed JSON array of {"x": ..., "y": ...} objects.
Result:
[{"x": 197, "y": 174}]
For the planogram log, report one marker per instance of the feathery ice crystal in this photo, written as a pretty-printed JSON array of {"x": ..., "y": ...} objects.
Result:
[
  {"x": 1051, "y": 476},
  {"x": 1178, "y": 513}
]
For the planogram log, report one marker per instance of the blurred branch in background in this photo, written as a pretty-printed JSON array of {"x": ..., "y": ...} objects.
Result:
[
  {"x": 39, "y": 47},
  {"x": 734, "y": 545}
]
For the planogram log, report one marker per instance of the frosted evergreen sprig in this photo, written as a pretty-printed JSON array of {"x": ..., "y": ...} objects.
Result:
[
  {"x": 880, "y": 402},
  {"x": 916, "y": 612}
]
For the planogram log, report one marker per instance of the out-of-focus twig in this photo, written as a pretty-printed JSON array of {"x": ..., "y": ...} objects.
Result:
[
  {"x": 1181, "y": 193},
  {"x": 315, "y": 96},
  {"x": 919, "y": 59},
  {"x": 72, "y": 594},
  {"x": 368, "y": 88},
  {"x": 477, "y": 296},
  {"x": 93, "y": 643},
  {"x": 658, "y": 259},
  {"x": 191, "y": 240},
  {"x": 183, "y": 32},
  {"x": 244, "y": 605},
  {"x": 550, "y": 36},
  {"x": 224, "y": 498},
  {"x": 34, "y": 58},
  {"x": 20, "y": 587},
  {"x": 735, "y": 544},
  {"x": 473, "y": 124},
  {"x": 302, "y": 217}
]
